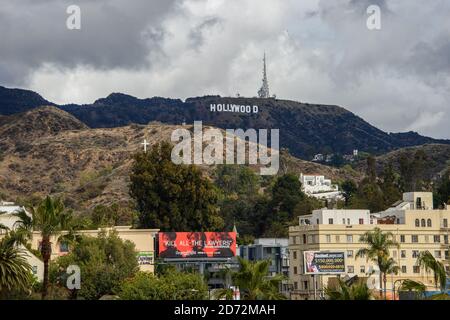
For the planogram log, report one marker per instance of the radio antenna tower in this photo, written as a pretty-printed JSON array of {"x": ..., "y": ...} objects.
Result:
[{"x": 264, "y": 91}]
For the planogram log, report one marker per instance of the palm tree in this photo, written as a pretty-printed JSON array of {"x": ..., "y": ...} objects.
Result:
[
  {"x": 388, "y": 266},
  {"x": 15, "y": 271},
  {"x": 411, "y": 285},
  {"x": 356, "y": 291},
  {"x": 378, "y": 245},
  {"x": 49, "y": 218},
  {"x": 254, "y": 283},
  {"x": 429, "y": 263}
]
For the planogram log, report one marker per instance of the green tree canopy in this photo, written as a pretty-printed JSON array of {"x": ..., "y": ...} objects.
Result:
[
  {"x": 172, "y": 197},
  {"x": 105, "y": 261},
  {"x": 167, "y": 286}
]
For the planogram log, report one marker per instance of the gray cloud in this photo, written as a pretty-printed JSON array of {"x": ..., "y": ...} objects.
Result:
[
  {"x": 114, "y": 34},
  {"x": 319, "y": 51}
]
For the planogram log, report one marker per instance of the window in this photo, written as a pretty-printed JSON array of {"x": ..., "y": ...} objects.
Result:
[
  {"x": 343, "y": 220},
  {"x": 294, "y": 240},
  {"x": 295, "y": 270},
  {"x": 446, "y": 256},
  {"x": 394, "y": 253},
  {"x": 422, "y": 223},
  {"x": 349, "y": 238},
  {"x": 437, "y": 239},
  {"x": 304, "y": 239},
  {"x": 445, "y": 223},
  {"x": 419, "y": 203},
  {"x": 317, "y": 221},
  {"x": 310, "y": 239},
  {"x": 330, "y": 221},
  {"x": 437, "y": 254},
  {"x": 371, "y": 221},
  {"x": 417, "y": 223},
  {"x": 427, "y": 239},
  {"x": 295, "y": 255},
  {"x": 414, "y": 238},
  {"x": 446, "y": 239},
  {"x": 305, "y": 285},
  {"x": 415, "y": 253},
  {"x": 403, "y": 254},
  {"x": 362, "y": 269},
  {"x": 338, "y": 239},
  {"x": 361, "y": 221},
  {"x": 328, "y": 238},
  {"x": 350, "y": 269},
  {"x": 403, "y": 269},
  {"x": 398, "y": 220},
  {"x": 416, "y": 269},
  {"x": 349, "y": 253},
  {"x": 63, "y": 247},
  {"x": 402, "y": 238},
  {"x": 295, "y": 285},
  {"x": 429, "y": 223},
  {"x": 348, "y": 221}
]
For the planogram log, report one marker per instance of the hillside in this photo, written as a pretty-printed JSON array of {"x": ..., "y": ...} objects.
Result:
[
  {"x": 305, "y": 129},
  {"x": 438, "y": 159},
  {"x": 48, "y": 151}
]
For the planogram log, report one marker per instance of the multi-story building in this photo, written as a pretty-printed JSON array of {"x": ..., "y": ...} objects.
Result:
[
  {"x": 273, "y": 249},
  {"x": 413, "y": 222}
]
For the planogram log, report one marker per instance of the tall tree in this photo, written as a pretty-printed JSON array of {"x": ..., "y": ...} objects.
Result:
[
  {"x": 389, "y": 186},
  {"x": 49, "y": 218},
  {"x": 377, "y": 248},
  {"x": 348, "y": 188},
  {"x": 442, "y": 192},
  {"x": 387, "y": 266},
  {"x": 172, "y": 197}
]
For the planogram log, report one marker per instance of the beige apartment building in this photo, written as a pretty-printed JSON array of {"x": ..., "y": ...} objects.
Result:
[
  {"x": 413, "y": 222},
  {"x": 143, "y": 239}
]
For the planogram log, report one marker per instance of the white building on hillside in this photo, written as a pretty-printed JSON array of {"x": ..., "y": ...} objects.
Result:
[{"x": 319, "y": 187}]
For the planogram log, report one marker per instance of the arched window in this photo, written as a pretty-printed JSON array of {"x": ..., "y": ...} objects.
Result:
[
  {"x": 423, "y": 223},
  {"x": 429, "y": 223},
  {"x": 417, "y": 223}
]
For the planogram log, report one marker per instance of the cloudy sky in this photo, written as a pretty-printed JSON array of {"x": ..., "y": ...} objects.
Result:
[{"x": 319, "y": 51}]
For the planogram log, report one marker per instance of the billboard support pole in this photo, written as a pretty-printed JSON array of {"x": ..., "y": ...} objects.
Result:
[{"x": 315, "y": 287}]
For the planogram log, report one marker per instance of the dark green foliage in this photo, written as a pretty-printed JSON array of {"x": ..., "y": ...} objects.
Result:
[
  {"x": 112, "y": 215},
  {"x": 167, "y": 286},
  {"x": 348, "y": 188},
  {"x": 412, "y": 171},
  {"x": 172, "y": 197},
  {"x": 442, "y": 191},
  {"x": 104, "y": 261}
]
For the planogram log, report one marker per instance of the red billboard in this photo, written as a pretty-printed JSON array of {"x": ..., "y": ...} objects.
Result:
[{"x": 185, "y": 245}]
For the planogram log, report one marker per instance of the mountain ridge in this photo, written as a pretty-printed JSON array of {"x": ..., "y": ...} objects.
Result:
[{"x": 305, "y": 129}]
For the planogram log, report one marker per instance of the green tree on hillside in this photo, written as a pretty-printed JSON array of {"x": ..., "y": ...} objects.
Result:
[
  {"x": 172, "y": 197},
  {"x": 442, "y": 192}
]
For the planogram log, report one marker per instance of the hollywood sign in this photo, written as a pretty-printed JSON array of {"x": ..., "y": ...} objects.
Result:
[{"x": 222, "y": 107}]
